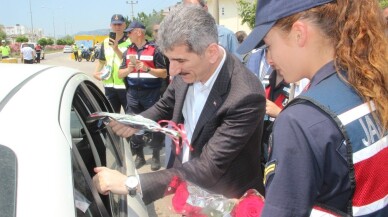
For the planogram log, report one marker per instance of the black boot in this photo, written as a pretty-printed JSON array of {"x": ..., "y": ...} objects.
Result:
[
  {"x": 140, "y": 160},
  {"x": 155, "y": 161}
]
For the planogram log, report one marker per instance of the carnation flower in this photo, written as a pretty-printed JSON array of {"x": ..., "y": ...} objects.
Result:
[{"x": 193, "y": 201}]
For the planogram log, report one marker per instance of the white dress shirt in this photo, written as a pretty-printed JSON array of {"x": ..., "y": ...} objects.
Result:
[
  {"x": 195, "y": 100},
  {"x": 27, "y": 52}
]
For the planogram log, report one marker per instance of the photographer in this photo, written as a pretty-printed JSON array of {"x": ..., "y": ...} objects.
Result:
[{"x": 110, "y": 57}]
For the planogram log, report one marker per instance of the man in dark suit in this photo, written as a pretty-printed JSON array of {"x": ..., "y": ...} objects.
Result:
[{"x": 221, "y": 105}]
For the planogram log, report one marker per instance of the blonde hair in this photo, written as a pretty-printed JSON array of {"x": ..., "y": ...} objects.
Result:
[{"x": 356, "y": 30}]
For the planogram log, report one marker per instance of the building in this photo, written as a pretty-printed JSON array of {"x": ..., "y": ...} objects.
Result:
[
  {"x": 14, "y": 31},
  {"x": 225, "y": 12}
]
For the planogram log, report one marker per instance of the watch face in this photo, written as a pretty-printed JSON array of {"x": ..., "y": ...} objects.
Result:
[{"x": 131, "y": 182}]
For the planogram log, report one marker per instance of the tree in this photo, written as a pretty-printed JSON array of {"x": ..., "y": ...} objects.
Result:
[
  {"x": 61, "y": 41},
  {"x": 21, "y": 38},
  {"x": 42, "y": 42},
  {"x": 383, "y": 3},
  {"x": 147, "y": 20},
  {"x": 247, "y": 11},
  {"x": 68, "y": 40},
  {"x": 3, "y": 35},
  {"x": 50, "y": 41}
]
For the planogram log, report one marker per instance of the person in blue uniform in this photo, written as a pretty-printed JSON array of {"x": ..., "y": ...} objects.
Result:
[
  {"x": 329, "y": 144},
  {"x": 144, "y": 78}
]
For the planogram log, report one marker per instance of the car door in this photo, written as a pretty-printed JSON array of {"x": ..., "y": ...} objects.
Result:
[{"x": 94, "y": 144}]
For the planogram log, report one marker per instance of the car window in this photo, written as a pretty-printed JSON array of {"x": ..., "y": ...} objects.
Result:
[
  {"x": 93, "y": 145},
  {"x": 8, "y": 174}
]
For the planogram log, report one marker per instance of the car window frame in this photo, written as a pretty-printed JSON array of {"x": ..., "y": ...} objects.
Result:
[{"x": 97, "y": 102}]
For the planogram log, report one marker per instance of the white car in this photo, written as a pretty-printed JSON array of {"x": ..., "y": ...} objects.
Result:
[
  {"x": 48, "y": 151},
  {"x": 67, "y": 49},
  {"x": 33, "y": 45}
]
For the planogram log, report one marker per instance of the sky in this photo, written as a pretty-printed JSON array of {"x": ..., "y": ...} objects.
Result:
[{"x": 67, "y": 17}]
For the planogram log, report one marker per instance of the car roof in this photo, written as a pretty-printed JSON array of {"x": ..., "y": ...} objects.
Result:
[{"x": 15, "y": 75}]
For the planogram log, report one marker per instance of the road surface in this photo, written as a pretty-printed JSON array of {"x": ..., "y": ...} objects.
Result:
[{"x": 160, "y": 208}]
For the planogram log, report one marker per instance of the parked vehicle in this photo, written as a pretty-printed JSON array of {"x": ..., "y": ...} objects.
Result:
[
  {"x": 32, "y": 45},
  {"x": 48, "y": 151},
  {"x": 67, "y": 49}
]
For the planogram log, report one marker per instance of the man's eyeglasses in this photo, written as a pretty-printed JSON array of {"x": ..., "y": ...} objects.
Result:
[
  {"x": 118, "y": 24},
  {"x": 156, "y": 30}
]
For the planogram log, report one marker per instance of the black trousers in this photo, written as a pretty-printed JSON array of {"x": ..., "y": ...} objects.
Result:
[
  {"x": 28, "y": 61},
  {"x": 38, "y": 57}
]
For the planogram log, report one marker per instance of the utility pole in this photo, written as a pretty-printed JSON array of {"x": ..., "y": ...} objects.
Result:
[
  {"x": 52, "y": 10},
  {"x": 32, "y": 26},
  {"x": 54, "y": 26},
  {"x": 132, "y": 3}
]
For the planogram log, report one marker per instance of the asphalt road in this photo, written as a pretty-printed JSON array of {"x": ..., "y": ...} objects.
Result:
[
  {"x": 64, "y": 59},
  {"x": 160, "y": 208}
]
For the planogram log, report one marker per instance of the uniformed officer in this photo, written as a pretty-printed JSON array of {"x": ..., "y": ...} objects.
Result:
[
  {"x": 110, "y": 58},
  {"x": 329, "y": 149},
  {"x": 5, "y": 50},
  {"x": 144, "y": 69}
]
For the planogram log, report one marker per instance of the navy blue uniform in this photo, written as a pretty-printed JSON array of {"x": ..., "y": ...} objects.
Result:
[{"x": 307, "y": 162}]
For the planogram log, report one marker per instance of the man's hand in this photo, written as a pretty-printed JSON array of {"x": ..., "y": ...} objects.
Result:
[
  {"x": 114, "y": 43},
  {"x": 140, "y": 65},
  {"x": 272, "y": 109},
  {"x": 122, "y": 129},
  {"x": 107, "y": 180}
]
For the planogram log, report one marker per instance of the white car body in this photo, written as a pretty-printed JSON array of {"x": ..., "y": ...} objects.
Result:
[
  {"x": 67, "y": 49},
  {"x": 37, "y": 106}
]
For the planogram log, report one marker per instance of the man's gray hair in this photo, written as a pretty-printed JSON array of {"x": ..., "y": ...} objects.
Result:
[
  {"x": 187, "y": 25},
  {"x": 200, "y": 2}
]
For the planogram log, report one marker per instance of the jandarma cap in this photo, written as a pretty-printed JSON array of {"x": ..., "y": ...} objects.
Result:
[
  {"x": 117, "y": 19},
  {"x": 268, "y": 12},
  {"x": 135, "y": 24}
]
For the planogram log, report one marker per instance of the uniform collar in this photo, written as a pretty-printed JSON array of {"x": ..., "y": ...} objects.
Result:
[
  {"x": 123, "y": 39},
  {"x": 133, "y": 45},
  {"x": 324, "y": 72}
]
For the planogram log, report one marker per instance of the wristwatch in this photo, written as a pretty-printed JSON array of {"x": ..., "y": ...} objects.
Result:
[
  {"x": 148, "y": 69},
  {"x": 131, "y": 184}
]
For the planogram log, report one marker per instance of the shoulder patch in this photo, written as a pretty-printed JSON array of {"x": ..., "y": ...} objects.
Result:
[{"x": 270, "y": 168}]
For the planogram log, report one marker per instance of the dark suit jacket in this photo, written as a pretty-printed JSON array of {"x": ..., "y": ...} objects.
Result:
[{"x": 226, "y": 140}]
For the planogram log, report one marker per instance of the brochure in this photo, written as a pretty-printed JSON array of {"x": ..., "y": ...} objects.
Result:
[{"x": 134, "y": 121}]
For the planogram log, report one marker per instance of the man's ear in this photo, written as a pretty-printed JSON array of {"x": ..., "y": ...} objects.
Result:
[
  {"x": 299, "y": 33},
  {"x": 212, "y": 52}
]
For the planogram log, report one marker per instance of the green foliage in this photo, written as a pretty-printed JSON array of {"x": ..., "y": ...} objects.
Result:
[
  {"x": 147, "y": 20},
  {"x": 247, "y": 11},
  {"x": 61, "y": 42},
  {"x": 383, "y": 3},
  {"x": 3, "y": 36},
  {"x": 67, "y": 40},
  {"x": 21, "y": 39},
  {"x": 42, "y": 42},
  {"x": 50, "y": 41}
]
